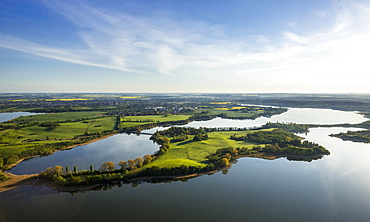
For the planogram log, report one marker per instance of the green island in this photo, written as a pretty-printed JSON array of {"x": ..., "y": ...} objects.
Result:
[
  {"x": 355, "y": 136},
  {"x": 362, "y": 136},
  {"x": 70, "y": 120},
  {"x": 189, "y": 152}
]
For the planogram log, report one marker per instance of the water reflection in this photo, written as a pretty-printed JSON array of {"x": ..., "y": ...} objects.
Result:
[
  {"x": 296, "y": 115},
  {"x": 115, "y": 148},
  {"x": 335, "y": 188},
  {"x": 8, "y": 116}
]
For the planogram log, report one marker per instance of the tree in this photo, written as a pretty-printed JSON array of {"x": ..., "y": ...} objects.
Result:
[
  {"x": 224, "y": 162},
  {"x": 139, "y": 162},
  {"x": 49, "y": 172},
  {"x": 91, "y": 168},
  {"x": 131, "y": 164},
  {"x": 75, "y": 169},
  {"x": 228, "y": 156},
  {"x": 11, "y": 159},
  {"x": 200, "y": 136},
  {"x": 123, "y": 164},
  {"x": 147, "y": 158},
  {"x": 58, "y": 170},
  {"x": 67, "y": 169},
  {"x": 107, "y": 166}
]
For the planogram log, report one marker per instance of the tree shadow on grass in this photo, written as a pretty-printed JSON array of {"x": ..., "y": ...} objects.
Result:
[{"x": 186, "y": 142}]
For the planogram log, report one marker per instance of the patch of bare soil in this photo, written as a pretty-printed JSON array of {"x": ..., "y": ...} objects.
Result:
[{"x": 17, "y": 181}]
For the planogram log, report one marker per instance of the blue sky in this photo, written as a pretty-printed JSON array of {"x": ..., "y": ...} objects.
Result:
[{"x": 185, "y": 46}]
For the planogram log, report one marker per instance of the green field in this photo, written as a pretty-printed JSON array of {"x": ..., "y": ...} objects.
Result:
[
  {"x": 194, "y": 153},
  {"x": 14, "y": 141},
  {"x": 8, "y": 150},
  {"x": 63, "y": 116},
  {"x": 232, "y": 113},
  {"x": 70, "y": 124},
  {"x": 130, "y": 121},
  {"x": 64, "y": 131},
  {"x": 15, "y": 109}
]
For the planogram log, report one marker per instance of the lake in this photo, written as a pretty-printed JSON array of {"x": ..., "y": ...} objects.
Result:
[
  {"x": 8, "y": 116},
  {"x": 114, "y": 148},
  {"x": 334, "y": 188}
]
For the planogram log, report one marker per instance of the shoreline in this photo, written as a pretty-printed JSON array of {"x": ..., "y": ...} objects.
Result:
[
  {"x": 85, "y": 143},
  {"x": 349, "y": 138},
  {"x": 19, "y": 180},
  {"x": 61, "y": 188},
  {"x": 149, "y": 179},
  {"x": 9, "y": 167},
  {"x": 16, "y": 181}
]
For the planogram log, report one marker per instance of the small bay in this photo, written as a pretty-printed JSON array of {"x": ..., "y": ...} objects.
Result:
[{"x": 114, "y": 148}]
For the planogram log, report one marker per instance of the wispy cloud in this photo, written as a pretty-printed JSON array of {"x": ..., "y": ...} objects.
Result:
[
  {"x": 168, "y": 46},
  {"x": 71, "y": 56}
]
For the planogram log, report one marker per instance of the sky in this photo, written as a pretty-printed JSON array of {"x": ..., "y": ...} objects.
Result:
[{"x": 193, "y": 46}]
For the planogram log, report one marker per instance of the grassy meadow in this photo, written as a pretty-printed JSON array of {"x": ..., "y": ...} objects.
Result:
[
  {"x": 8, "y": 150},
  {"x": 233, "y": 112},
  {"x": 16, "y": 140},
  {"x": 63, "y": 131},
  {"x": 53, "y": 117},
  {"x": 194, "y": 153},
  {"x": 130, "y": 121}
]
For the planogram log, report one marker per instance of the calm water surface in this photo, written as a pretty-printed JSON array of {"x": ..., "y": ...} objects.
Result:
[
  {"x": 296, "y": 115},
  {"x": 334, "y": 188},
  {"x": 115, "y": 148},
  {"x": 8, "y": 116}
]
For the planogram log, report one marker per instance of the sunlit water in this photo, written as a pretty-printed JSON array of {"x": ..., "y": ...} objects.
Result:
[
  {"x": 115, "y": 148},
  {"x": 8, "y": 116},
  {"x": 334, "y": 188},
  {"x": 296, "y": 115}
]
